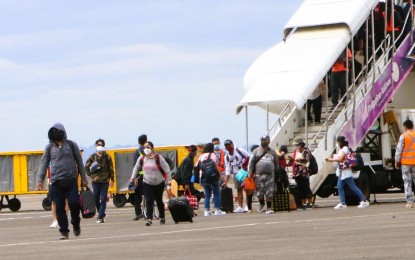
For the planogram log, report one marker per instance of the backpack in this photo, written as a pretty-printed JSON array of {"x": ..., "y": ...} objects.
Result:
[
  {"x": 87, "y": 203},
  {"x": 360, "y": 163},
  {"x": 157, "y": 158},
  {"x": 209, "y": 170},
  {"x": 313, "y": 166}
]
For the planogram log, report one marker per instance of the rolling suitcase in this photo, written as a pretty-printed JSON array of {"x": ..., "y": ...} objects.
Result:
[
  {"x": 180, "y": 210},
  {"x": 226, "y": 199},
  {"x": 281, "y": 201}
]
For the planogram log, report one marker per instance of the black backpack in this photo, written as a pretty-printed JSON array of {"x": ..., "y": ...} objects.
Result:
[
  {"x": 313, "y": 166},
  {"x": 209, "y": 170},
  {"x": 360, "y": 162}
]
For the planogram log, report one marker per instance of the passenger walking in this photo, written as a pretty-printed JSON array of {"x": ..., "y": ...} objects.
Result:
[
  {"x": 234, "y": 161},
  {"x": 315, "y": 102},
  {"x": 301, "y": 173},
  {"x": 186, "y": 170},
  {"x": 338, "y": 77},
  {"x": 405, "y": 160},
  {"x": 156, "y": 176},
  {"x": 138, "y": 191},
  {"x": 210, "y": 183},
  {"x": 345, "y": 175},
  {"x": 220, "y": 155},
  {"x": 65, "y": 161},
  {"x": 263, "y": 164},
  {"x": 100, "y": 168}
]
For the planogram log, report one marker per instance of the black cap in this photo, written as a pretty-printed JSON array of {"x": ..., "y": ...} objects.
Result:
[
  {"x": 228, "y": 142},
  {"x": 191, "y": 148}
]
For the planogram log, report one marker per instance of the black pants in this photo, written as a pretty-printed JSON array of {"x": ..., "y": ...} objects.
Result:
[
  {"x": 303, "y": 186},
  {"x": 316, "y": 104},
  {"x": 154, "y": 193},
  {"x": 138, "y": 197},
  {"x": 338, "y": 84}
]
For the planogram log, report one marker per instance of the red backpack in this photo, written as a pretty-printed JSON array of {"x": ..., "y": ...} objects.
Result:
[{"x": 157, "y": 158}]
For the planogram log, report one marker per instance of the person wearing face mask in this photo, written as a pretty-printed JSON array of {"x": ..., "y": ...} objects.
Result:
[
  {"x": 345, "y": 175},
  {"x": 157, "y": 175},
  {"x": 100, "y": 168},
  {"x": 235, "y": 159},
  {"x": 65, "y": 161},
  {"x": 262, "y": 165},
  {"x": 220, "y": 155}
]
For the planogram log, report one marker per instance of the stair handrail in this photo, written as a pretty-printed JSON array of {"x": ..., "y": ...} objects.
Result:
[
  {"x": 324, "y": 127},
  {"x": 279, "y": 121}
]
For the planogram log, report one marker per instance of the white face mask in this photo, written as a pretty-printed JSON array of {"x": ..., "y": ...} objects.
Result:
[
  {"x": 147, "y": 151},
  {"x": 100, "y": 148}
]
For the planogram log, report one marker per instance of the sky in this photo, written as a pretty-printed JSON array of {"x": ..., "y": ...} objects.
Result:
[{"x": 116, "y": 69}]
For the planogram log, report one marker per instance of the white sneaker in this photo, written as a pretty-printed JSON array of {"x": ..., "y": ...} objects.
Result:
[
  {"x": 261, "y": 208},
  {"x": 208, "y": 213},
  {"x": 340, "y": 206},
  {"x": 363, "y": 204},
  {"x": 54, "y": 224},
  {"x": 239, "y": 210},
  {"x": 246, "y": 209},
  {"x": 219, "y": 213},
  {"x": 269, "y": 211}
]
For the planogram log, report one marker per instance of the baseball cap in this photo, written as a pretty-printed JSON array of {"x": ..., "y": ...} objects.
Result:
[
  {"x": 228, "y": 142},
  {"x": 191, "y": 148},
  {"x": 265, "y": 137}
]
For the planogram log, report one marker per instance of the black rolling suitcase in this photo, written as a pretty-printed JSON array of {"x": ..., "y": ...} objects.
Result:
[
  {"x": 180, "y": 210},
  {"x": 226, "y": 199}
]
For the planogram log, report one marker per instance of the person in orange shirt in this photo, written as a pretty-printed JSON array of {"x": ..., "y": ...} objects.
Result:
[
  {"x": 338, "y": 77},
  {"x": 405, "y": 159}
]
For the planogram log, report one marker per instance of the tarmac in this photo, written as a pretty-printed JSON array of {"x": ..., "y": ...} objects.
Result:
[{"x": 384, "y": 230}]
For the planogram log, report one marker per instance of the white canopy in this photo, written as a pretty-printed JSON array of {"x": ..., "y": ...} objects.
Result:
[{"x": 291, "y": 70}]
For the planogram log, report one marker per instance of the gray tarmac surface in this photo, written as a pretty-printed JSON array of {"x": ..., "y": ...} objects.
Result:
[{"x": 382, "y": 231}]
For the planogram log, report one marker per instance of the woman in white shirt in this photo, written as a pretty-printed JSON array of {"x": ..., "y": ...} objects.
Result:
[{"x": 345, "y": 175}]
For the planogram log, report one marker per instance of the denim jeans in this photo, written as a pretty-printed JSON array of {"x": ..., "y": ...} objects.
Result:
[
  {"x": 352, "y": 186},
  {"x": 154, "y": 193},
  {"x": 59, "y": 194},
  {"x": 100, "y": 190},
  {"x": 210, "y": 188}
]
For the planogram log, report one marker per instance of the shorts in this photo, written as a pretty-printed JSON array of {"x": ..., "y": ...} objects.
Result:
[
  {"x": 264, "y": 185},
  {"x": 237, "y": 184}
]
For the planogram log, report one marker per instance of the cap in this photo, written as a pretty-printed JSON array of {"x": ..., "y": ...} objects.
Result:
[
  {"x": 191, "y": 148},
  {"x": 265, "y": 137},
  {"x": 228, "y": 142},
  {"x": 298, "y": 140}
]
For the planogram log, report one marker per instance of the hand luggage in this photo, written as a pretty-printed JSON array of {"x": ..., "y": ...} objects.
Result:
[
  {"x": 281, "y": 201},
  {"x": 180, "y": 210},
  {"x": 226, "y": 199},
  {"x": 87, "y": 203},
  {"x": 193, "y": 201}
]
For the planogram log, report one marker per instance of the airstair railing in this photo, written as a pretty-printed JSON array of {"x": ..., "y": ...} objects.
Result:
[{"x": 280, "y": 120}]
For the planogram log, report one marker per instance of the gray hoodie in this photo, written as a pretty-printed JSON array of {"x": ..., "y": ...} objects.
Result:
[{"x": 61, "y": 160}]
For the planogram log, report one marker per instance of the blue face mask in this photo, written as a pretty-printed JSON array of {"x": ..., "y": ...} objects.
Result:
[{"x": 216, "y": 147}]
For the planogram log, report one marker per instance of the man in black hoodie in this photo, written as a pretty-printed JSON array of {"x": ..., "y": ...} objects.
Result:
[{"x": 65, "y": 162}]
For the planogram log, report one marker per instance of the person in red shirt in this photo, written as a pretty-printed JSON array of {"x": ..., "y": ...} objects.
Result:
[{"x": 338, "y": 77}]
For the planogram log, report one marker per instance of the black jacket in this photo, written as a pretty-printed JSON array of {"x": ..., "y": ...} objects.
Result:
[{"x": 186, "y": 169}]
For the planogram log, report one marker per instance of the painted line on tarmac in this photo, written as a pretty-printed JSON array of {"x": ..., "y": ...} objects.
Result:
[{"x": 198, "y": 229}]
